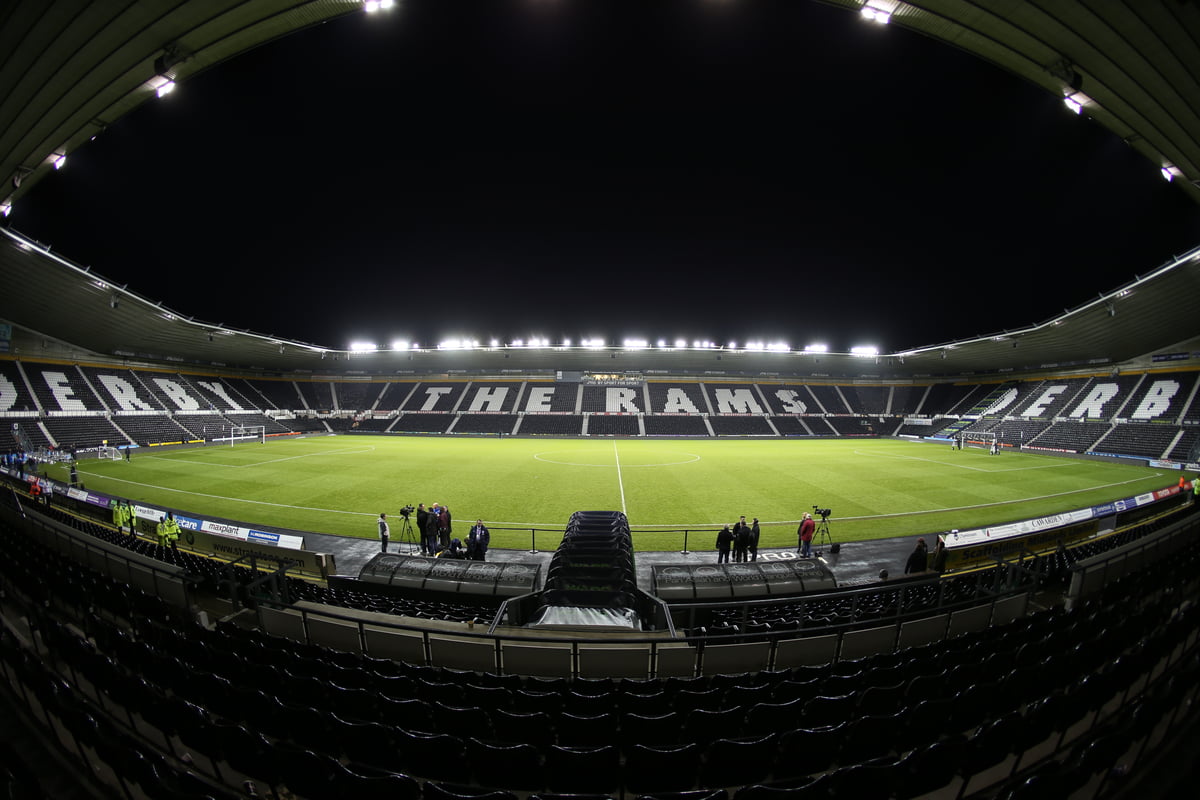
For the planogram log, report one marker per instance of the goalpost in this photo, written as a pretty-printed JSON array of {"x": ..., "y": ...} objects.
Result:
[
  {"x": 983, "y": 440},
  {"x": 110, "y": 453},
  {"x": 247, "y": 433}
]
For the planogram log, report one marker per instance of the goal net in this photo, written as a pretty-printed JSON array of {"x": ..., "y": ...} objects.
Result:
[
  {"x": 247, "y": 433},
  {"x": 110, "y": 453},
  {"x": 980, "y": 439}
]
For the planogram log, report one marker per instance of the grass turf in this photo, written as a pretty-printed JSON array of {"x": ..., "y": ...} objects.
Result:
[{"x": 875, "y": 487}]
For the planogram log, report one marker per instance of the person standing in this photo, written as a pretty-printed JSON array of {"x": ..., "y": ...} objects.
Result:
[
  {"x": 724, "y": 540},
  {"x": 741, "y": 540},
  {"x": 754, "y": 532},
  {"x": 444, "y": 527},
  {"x": 431, "y": 532},
  {"x": 917, "y": 559},
  {"x": 422, "y": 523},
  {"x": 805, "y": 532},
  {"x": 384, "y": 532},
  {"x": 119, "y": 517},
  {"x": 477, "y": 541},
  {"x": 939, "y": 556}
]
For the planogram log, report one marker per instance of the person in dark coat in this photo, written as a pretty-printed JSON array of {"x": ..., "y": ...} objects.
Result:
[
  {"x": 477, "y": 541},
  {"x": 724, "y": 541},
  {"x": 431, "y": 533},
  {"x": 754, "y": 533},
  {"x": 741, "y": 540},
  {"x": 917, "y": 559},
  {"x": 422, "y": 525}
]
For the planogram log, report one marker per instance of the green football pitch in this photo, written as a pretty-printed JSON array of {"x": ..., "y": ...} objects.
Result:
[{"x": 874, "y": 487}]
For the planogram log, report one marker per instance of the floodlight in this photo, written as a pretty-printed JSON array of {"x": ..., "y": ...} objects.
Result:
[
  {"x": 363, "y": 347},
  {"x": 636, "y": 344},
  {"x": 165, "y": 88},
  {"x": 5, "y": 208},
  {"x": 864, "y": 350},
  {"x": 401, "y": 345},
  {"x": 877, "y": 11},
  {"x": 1074, "y": 102},
  {"x": 1170, "y": 172},
  {"x": 816, "y": 348},
  {"x": 58, "y": 159}
]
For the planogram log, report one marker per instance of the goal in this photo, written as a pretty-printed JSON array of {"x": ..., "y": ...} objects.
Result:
[
  {"x": 110, "y": 453},
  {"x": 247, "y": 433},
  {"x": 984, "y": 440}
]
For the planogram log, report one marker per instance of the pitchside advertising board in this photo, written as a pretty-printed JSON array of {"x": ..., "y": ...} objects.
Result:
[
  {"x": 204, "y": 535},
  {"x": 982, "y": 546}
]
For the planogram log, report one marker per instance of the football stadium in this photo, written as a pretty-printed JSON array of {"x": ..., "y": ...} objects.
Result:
[{"x": 242, "y": 565}]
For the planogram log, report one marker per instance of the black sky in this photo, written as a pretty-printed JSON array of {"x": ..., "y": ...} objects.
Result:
[{"x": 725, "y": 169}]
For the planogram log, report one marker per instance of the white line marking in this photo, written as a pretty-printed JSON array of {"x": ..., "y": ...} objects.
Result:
[
  {"x": 351, "y": 451},
  {"x": 1056, "y": 465},
  {"x": 233, "y": 499},
  {"x": 620, "y": 480}
]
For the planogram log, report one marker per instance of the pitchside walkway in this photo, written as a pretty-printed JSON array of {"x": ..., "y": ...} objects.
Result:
[{"x": 857, "y": 563}]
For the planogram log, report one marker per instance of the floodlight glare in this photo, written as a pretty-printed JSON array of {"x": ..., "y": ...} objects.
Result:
[
  {"x": 400, "y": 345},
  {"x": 877, "y": 12},
  {"x": 1073, "y": 104},
  {"x": 5, "y": 208},
  {"x": 864, "y": 350},
  {"x": 58, "y": 159},
  {"x": 165, "y": 88},
  {"x": 816, "y": 348},
  {"x": 363, "y": 347}
]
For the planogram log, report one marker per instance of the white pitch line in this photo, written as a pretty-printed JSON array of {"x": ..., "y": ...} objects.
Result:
[
  {"x": 353, "y": 451},
  {"x": 620, "y": 479},
  {"x": 944, "y": 510},
  {"x": 234, "y": 499},
  {"x": 963, "y": 466}
]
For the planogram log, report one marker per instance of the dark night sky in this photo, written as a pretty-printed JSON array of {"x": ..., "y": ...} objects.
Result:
[{"x": 759, "y": 169}]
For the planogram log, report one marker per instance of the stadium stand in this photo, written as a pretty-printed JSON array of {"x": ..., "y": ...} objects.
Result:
[
  {"x": 279, "y": 395},
  {"x": 1035, "y": 705},
  {"x": 551, "y": 425},
  {"x": 316, "y": 395}
]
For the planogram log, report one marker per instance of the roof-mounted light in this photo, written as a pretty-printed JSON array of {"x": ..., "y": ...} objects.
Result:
[{"x": 877, "y": 11}]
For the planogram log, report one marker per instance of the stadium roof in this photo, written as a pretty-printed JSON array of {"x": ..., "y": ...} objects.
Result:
[
  {"x": 69, "y": 69},
  {"x": 64, "y": 310}
]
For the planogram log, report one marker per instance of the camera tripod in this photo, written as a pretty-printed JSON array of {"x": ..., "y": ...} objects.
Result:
[
  {"x": 822, "y": 538},
  {"x": 406, "y": 534}
]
